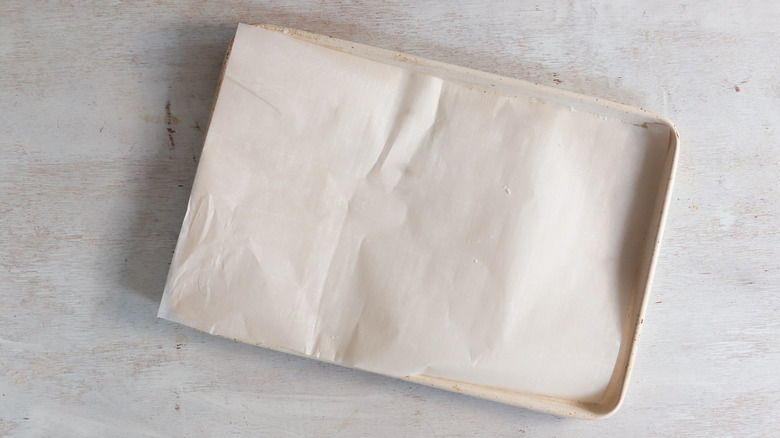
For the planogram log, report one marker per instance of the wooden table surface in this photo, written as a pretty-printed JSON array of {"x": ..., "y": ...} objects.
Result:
[{"x": 104, "y": 106}]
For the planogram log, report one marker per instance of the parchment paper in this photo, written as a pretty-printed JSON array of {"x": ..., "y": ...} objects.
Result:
[{"x": 371, "y": 216}]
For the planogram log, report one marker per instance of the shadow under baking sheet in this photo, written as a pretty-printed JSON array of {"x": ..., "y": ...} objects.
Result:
[{"x": 182, "y": 106}]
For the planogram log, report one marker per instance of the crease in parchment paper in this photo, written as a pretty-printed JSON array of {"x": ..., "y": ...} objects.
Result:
[{"x": 392, "y": 221}]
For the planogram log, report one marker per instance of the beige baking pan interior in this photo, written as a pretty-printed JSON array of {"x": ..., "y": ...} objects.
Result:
[{"x": 519, "y": 267}]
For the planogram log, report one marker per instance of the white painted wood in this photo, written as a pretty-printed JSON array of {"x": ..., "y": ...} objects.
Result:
[{"x": 95, "y": 173}]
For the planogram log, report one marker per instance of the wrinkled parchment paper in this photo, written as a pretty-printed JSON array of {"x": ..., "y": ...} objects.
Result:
[{"x": 387, "y": 220}]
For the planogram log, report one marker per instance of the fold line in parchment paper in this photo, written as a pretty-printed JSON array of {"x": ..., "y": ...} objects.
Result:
[{"x": 412, "y": 87}]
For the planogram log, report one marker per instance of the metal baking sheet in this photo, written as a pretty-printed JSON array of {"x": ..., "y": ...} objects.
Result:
[{"x": 415, "y": 219}]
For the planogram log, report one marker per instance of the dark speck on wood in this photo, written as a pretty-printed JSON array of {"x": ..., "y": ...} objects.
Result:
[{"x": 169, "y": 123}]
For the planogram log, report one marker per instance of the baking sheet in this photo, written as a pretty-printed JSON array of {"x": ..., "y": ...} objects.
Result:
[{"x": 385, "y": 217}]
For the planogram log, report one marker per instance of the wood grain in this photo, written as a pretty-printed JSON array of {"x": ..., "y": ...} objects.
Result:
[{"x": 104, "y": 110}]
